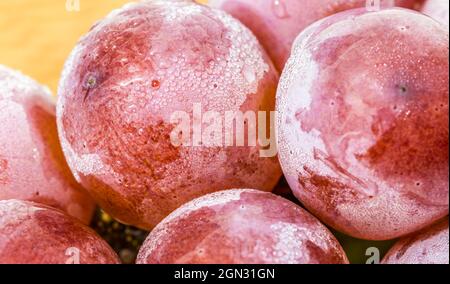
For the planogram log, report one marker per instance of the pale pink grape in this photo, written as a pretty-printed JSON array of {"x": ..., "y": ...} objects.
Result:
[
  {"x": 429, "y": 246},
  {"x": 277, "y": 23},
  {"x": 438, "y": 10},
  {"x": 32, "y": 165},
  {"x": 241, "y": 227},
  {"x": 31, "y": 233},
  {"x": 363, "y": 122}
]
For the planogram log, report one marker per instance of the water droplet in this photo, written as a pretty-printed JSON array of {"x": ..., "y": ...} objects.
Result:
[
  {"x": 3, "y": 165},
  {"x": 132, "y": 108},
  {"x": 156, "y": 84},
  {"x": 279, "y": 9},
  {"x": 35, "y": 154},
  {"x": 249, "y": 73},
  {"x": 164, "y": 63}
]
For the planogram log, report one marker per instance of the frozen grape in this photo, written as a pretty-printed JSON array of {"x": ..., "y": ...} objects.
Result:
[
  {"x": 363, "y": 122},
  {"x": 277, "y": 23},
  {"x": 437, "y": 9},
  {"x": 241, "y": 227},
  {"x": 429, "y": 246},
  {"x": 123, "y": 84},
  {"x": 32, "y": 164},
  {"x": 31, "y": 233}
]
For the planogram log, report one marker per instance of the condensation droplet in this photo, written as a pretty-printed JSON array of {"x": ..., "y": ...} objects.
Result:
[
  {"x": 164, "y": 63},
  {"x": 279, "y": 9},
  {"x": 132, "y": 108},
  {"x": 36, "y": 154},
  {"x": 249, "y": 73},
  {"x": 3, "y": 165},
  {"x": 156, "y": 84}
]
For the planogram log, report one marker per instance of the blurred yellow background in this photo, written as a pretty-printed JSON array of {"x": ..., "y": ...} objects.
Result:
[{"x": 37, "y": 36}]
